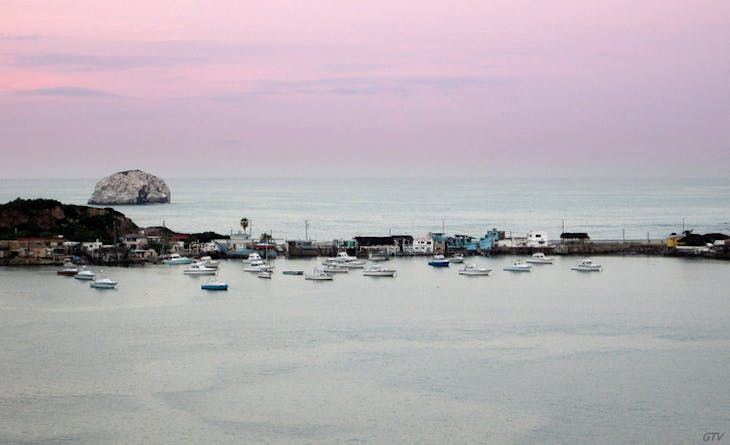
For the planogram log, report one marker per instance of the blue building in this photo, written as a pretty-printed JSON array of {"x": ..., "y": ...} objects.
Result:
[{"x": 488, "y": 241}]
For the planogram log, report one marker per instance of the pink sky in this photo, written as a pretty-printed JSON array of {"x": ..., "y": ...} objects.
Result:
[{"x": 370, "y": 88}]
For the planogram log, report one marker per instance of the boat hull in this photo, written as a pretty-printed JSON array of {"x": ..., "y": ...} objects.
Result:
[
  {"x": 517, "y": 269},
  {"x": 587, "y": 268},
  {"x": 200, "y": 272},
  {"x": 214, "y": 287},
  {"x": 439, "y": 263},
  {"x": 380, "y": 273},
  {"x": 67, "y": 273},
  {"x": 474, "y": 273},
  {"x": 103, "y": 285}
]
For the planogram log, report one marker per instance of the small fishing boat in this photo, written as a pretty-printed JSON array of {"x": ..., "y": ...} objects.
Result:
[
  {"x": 259, "y": 266},
  {"x": 439, "y": 261},
  {"x": 175, "y": 259},
  {"x": 342, "y": 257},
  {"x": 199, "y": 269},
  {"x": 85, "y": 275},
  {"x": 518, "y": 266},
  {"x": 378, "y": 257},
  {"x": 293, "y": 272},
  {"x": 264, "y": 274},
  {"x": 69, "y": 270},
  {"x": 253, "y": 258},
  {"x": 103, "y": 283},
  {"x": 214, "y": 284},
  {"x": 456, "y": 258},
  {"x": 587, "y": 265},
  {"x": 540, "y": 258},
  {"x": 376, "y": 270},
  {"x": 474, "y": 270},
  {"x": 318, "y": 275},
  {"x": 335, "y": 268},
  {"x": 209, "y": 262}
]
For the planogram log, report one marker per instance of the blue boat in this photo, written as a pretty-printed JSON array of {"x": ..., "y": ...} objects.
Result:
[
  {"x": 214, "y": 285},
  {"x": 439, "y": 261}
]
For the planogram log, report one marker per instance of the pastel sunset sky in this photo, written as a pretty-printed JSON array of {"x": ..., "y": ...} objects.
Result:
[{"x": 365, "y": 88}]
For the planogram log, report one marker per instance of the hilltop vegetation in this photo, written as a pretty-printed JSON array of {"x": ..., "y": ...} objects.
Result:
[{"x": 47, "y": 217}]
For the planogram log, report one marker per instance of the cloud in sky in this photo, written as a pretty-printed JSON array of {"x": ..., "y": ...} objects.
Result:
[
  {"x": 572, "y": 86},
  {"x": 68, "y": 92}
]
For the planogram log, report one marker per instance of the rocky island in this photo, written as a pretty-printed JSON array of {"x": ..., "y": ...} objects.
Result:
[{"x": 130, "y": 187}]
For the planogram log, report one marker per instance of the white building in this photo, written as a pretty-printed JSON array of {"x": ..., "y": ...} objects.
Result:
[
  {"x": 537, "y": 239},
  {"x": 422, "y": 246}
]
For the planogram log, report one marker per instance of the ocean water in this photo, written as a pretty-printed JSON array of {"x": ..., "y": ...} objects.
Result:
[
  {"x": 635, "y": 354},
  {"x": 341, "y": 208}
]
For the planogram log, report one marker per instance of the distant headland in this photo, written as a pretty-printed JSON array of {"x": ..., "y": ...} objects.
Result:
[{"x": 45, "y": 231}]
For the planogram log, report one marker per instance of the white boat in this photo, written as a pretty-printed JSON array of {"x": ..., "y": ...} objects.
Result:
[
  {"x": 456, "y": 258},
  {"x": 199, "y": 269},
  {"x": 377, "y": 257},
  {"x": 264, "y": 274},
  {"x": 518, "y": 266},
  {"x": 540, "y": 258},
  {"x": 587, "y": 265},
  {"x": 318, "y": 275},
  {"x": 335, "y": 268},
  {"x": 209, "y": 262},
  {"x": 473, "y": 269},
  {"x": 253, "y": 258},
  {"x": 176, "y": 259},
  {"x": 353, "y": 264},
  {"x": 85, "y": 275},
  {"x": 259, "y": 266},
  {"x": 376, "y": 270},
  {"x": 342, "y": 257},
  {"x": 69, "y": 269},
  {"x": 103, "y": 283}
]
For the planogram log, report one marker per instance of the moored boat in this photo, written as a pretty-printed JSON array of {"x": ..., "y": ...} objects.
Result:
[
  {"x": 474, "y": 270},
  {"x": 293, "y": 272},
  {"x": 259, "y": 266},
  {"x": 587, "y": 265},
  {"x": 518, "y": 266},
  {"x": 199, "y": 269},
  {"x": 176, "y": 259},
  {"x": 69, "y": 270},
  {"x": 456, "y": 258},
  {"x": 264, "y": 274},
  {"x": 540, "y": 258},
  {"x": 209, "y": 262},
  {"x": 214, "y": 284},
  {"x": 335, "y": 268},
  {"x": 377, "y": 257},
  {"x": 103, "y": 283},
  {"x": 439, "y": 261},
  {"x": 85, "y": 275},
  {"x": 318, "y": 275},
  {"x": 377, "y": 270},
  {"x": 253, "y": 258}
]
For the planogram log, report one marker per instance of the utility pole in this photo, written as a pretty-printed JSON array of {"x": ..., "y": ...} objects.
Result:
[{"x": 306, "y": 229}]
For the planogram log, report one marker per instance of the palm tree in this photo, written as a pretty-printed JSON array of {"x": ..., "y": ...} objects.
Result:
[
  {"x": 244, "y": 224},
  {"x": 266, "y": 237}
]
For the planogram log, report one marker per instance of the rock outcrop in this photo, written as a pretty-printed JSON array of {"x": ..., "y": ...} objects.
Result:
[
  {"x": 130, "y": 187},
  {"x": 46, "y": 217}
]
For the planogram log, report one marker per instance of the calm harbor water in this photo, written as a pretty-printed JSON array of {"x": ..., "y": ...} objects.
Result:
[
  {"x": 636, "y": 354},
  {"x": 338, "y": 208}
]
